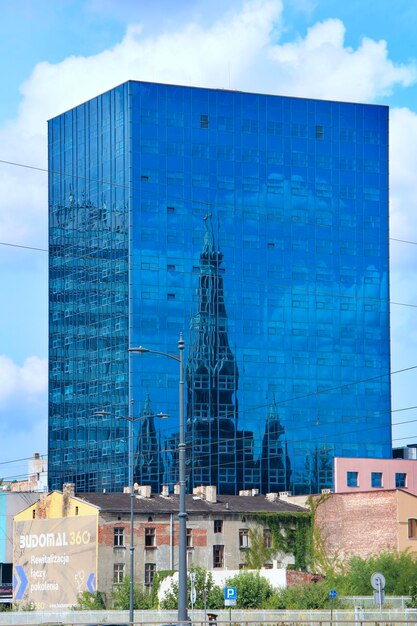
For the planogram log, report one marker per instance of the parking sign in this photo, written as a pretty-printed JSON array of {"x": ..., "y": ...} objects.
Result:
[{"x": 230, "y": 596}]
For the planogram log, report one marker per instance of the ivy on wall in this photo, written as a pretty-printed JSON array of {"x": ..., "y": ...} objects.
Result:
[{"x": 291, "y": 534}]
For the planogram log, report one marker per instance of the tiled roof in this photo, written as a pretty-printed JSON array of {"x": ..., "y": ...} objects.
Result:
[{"x": 120, "y": 503}]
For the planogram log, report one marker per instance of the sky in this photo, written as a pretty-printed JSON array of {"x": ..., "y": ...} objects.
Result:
[{"x": 56, "y": 55}]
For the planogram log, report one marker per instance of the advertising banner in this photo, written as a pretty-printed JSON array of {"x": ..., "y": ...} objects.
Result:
[{"x": 54, "y": 560}]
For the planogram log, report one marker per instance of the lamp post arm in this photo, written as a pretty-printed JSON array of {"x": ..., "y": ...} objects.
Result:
[{"x": 141, "y": 350}]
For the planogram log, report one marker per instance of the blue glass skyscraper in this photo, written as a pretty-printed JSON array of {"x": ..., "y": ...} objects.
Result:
[{"x": 256, "y": 225}]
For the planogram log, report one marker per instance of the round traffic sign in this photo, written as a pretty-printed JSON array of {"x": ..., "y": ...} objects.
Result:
[{"x": 378, "y": 581}]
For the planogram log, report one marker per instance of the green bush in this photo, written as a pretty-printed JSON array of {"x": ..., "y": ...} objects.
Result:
[
  {"x": 87, "y": 601},
  {"x": 253, "y": 590},
  {"x": 399, "y": 569},
  {"x": 142, "y": 599},
  {"x": 306, "y": 596}
]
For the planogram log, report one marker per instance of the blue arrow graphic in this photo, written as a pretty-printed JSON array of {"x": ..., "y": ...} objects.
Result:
[
  {"x": 91, "y": 583},
  {"x": 23, "y": 582}
]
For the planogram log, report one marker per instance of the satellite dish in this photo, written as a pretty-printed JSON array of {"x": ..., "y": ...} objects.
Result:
[{"x": 378, "y": 581}]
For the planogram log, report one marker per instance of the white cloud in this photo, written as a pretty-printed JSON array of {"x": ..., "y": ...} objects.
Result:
[
  {"x": 191, "y": 55},
  {"x": 321, "y": 66},
  {"x": 28, "y": 381},
  {"x": 241, "y": 48},
  {"x": 403, "y": 166}
]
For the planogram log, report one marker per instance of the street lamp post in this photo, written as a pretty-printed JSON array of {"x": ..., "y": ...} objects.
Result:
[
  {"x": 182, "y": 515},
  {"x": 131, "y": 419}
]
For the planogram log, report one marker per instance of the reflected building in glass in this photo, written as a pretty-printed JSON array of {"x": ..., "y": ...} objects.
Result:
[{"x": 256, "y": 225}]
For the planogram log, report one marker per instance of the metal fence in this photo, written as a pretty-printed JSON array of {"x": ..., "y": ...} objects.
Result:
[{"x": 234, "y": 617}]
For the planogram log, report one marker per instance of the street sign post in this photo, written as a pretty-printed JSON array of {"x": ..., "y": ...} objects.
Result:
[
  {"x": 193, "y": 594},
  {"x": 332, "y": 596},
  {"x": 378, "y": 583},
  {"x": 230, "y": 597}
]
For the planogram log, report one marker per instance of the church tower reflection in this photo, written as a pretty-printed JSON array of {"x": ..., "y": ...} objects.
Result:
[{"x": 212, "y": 381}]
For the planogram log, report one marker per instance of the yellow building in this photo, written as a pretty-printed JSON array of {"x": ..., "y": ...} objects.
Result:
[{"x": 55, "y": 551}]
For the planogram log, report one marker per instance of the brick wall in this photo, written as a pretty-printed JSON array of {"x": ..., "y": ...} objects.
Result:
[
  {"x": 162, "y": 534},
  {"x": 358, "y": 524},
  {"x": 294, "y": 577}
]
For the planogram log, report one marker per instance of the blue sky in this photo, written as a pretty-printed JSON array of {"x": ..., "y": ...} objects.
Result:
[{"x": 54, "y": 55}]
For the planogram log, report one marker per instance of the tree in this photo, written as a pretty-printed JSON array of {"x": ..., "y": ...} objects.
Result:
[
  {"x": 399, "y": 569},
  {"x": 257, "y": 555},
  {"x": 204, "y": 584},
  {"x": 87, "y": 601},
  {"x": 253, "y": 591},
  {"x": 306, "y": 596},
  {"x": 121, "y": 596},
  {"x": 412, "y": 603}
]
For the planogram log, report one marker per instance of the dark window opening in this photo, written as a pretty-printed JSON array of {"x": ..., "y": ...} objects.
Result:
[
  {"x": 412, "y": 528},
  {"x": 243, "y": 538},
  {"x": 150, "y": 570},
  {"x": 218, "y": 556},
  {"x": 376, "y": 479},
  {"x": 118, "y": 537},
  {"x": 400, "y": 480},
  {"x": 150, "y": 539},
  {"x": 352, "y": 479},
  {"x": 218, "y": 526}
]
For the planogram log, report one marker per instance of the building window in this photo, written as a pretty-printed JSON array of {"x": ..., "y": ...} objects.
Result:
[
  {"x": 218, "y": 556},
  {"x": 150, "y": 538},
  {"x": 400, "y": 480},
  {"x": 150, "y": 569},
  {"x": 376, "y": 479},
  {"x": 267, "y": 538},
  {"x": 243, "y": 538},
  {"x": 352, "y": 479},
  {"x": 118, "y": 572},
  {"x": 189, "y": 537},
  {"x": 412, "y": 528},
  {"x": 319, "y": 131},
  {"x": 204, "y": 121},
  {"x": 119, "y": 537},
  {"x": 218, "y": 525}
]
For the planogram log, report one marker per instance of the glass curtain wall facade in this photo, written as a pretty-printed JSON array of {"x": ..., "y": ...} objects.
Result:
[{"x": 258, "y": 227}]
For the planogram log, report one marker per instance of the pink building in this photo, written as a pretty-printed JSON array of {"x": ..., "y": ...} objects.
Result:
[{"x": 358, "y": 475}]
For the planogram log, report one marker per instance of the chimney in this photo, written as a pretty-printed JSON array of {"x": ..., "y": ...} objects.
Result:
[
  {"x": 68, "y": 489},
  {"x": 165, "y": 491},
  {"x": 272, "y": 497},
  {"x": 177, "y": 489},
  {"x": 211, "y": 494},
  {"x": 206, "y": 492},
  {"x": 143, "y": 491}
]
